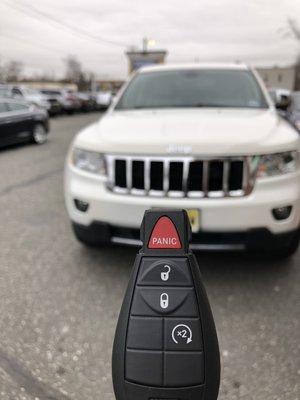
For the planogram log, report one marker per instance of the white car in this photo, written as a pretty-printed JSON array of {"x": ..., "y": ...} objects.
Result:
[
  {"x": 206, "y": 138},
  {"x": 33, "y": 97},
  {"x": 103, "y": 99}
]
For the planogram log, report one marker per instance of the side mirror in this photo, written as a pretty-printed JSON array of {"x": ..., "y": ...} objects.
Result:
[{"x": 283, "y": 101}]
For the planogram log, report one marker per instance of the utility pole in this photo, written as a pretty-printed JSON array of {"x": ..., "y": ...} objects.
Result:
[{"x": 145, "y": 45}]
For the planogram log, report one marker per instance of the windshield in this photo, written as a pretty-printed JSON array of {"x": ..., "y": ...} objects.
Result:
[
  {"x": 193, "y": 88},
  {"x": 296, "y": 101}
]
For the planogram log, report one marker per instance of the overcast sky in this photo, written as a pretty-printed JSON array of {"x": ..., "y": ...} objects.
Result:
[{"x": 42, "y": 33}]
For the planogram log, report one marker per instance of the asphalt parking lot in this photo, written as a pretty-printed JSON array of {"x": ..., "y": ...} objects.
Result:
[{"x": 59, "y": 301}]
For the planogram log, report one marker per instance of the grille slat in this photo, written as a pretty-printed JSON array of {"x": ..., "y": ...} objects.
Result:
[
  {"x": 226, "y": 166},
  {"x": 129, "y": 174},
  {"x": 205, "y": 177},
  {"x": 180, "y": 176},
  {"x": 147, "y": 174},
  {"x": 166, "y": 180},
  {"x": 185, "y": 175}
]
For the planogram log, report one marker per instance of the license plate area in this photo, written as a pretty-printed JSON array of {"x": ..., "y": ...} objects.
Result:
[{"x": 194, "y": 218}]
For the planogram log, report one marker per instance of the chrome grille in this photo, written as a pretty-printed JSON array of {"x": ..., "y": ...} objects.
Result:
[{"x": 180, "y": 176}]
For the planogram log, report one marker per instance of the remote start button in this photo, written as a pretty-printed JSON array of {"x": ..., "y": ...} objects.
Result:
[{"x": 183, "y": 334}]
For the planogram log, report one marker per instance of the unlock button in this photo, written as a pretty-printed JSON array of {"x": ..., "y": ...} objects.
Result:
[
  {"x": 165, "y": 275},
  {"x": 165, "y": 272}
]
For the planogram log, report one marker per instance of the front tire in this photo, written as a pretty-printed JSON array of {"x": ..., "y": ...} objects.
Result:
[
  {"x": 284, "y": 250},
  {"x": 39, "y": 135},
  {"x": 288, "y": 251}
]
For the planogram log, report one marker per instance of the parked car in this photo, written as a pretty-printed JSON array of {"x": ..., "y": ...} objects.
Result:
[
  {"x": 294, "y": 110},
  {"x": 71, "y": 102},
  {"x": 206, "y": 138},
  {"x": 87, "y": 102},
  {"x": 103, "y": 99},
  {"x": 31, "y": 96},
  {"x": 20, "y": 121},
  {"x": 281, "y": 99},
  {"x": 68, "y": 99},
  {"x": 55, "y": 99},
  {"x": 288, "y": 105}
]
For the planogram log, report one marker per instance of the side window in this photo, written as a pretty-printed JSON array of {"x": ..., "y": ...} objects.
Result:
[
  {"x": 3, "y": 107},
  {"x": 17, "y": 107},
  {"x": 17, "y": 91}
]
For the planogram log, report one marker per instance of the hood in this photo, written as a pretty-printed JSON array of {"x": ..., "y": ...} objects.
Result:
[{"x": 190, "y": 131}]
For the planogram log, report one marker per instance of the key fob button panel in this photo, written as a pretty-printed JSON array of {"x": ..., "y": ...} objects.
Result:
[{"x": 164, "y": 338}]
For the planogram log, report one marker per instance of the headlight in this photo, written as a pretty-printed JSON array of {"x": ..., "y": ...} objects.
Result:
[
  {"x": 276, "y": 164},
  {"x": 89, "y": 161}
]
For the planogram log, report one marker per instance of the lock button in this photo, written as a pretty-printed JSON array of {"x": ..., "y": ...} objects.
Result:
[
  {"x": 165, "y": 272},
  {"x": 164, "y": 300},
  {"x": 151, "y": 301}
]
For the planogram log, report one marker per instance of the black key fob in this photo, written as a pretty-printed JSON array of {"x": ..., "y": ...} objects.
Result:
[{"x": 166, "y": 345}]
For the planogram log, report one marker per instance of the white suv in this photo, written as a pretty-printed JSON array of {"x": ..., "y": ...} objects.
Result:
[{"x": 206, "y": 138}]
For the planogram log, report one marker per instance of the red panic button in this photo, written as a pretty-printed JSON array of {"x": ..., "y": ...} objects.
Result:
[{"x": 164, "y": 235}]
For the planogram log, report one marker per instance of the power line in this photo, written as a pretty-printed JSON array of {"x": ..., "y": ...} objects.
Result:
[
  {"x": 38, "y": 14},
  {"x": 31, "y": 43}
]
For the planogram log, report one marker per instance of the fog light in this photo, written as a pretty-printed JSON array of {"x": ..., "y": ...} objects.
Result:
[
  {"x": 282, "y": 213},
  {"x": 81, "y": 205}
]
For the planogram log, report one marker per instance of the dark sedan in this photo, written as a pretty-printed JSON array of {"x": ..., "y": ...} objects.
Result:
[{"x": 20, "y": 122}]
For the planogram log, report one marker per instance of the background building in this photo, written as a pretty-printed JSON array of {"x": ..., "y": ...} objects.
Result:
[
  {"x": 279, "y": 77},
  {"x": 142, "y": 58}
]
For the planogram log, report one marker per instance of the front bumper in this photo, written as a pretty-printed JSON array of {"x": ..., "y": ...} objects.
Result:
[{"x": 253, "y": 239}]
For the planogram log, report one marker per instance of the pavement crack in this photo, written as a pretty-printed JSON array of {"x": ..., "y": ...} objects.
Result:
[
  {"x": 38, "y": 178},
  {"x": 30, "y": 383}
]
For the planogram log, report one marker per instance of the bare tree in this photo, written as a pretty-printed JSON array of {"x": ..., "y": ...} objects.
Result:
[
  {"x": 13, "y": 70},
  {"x": 73, "y": 69}
]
